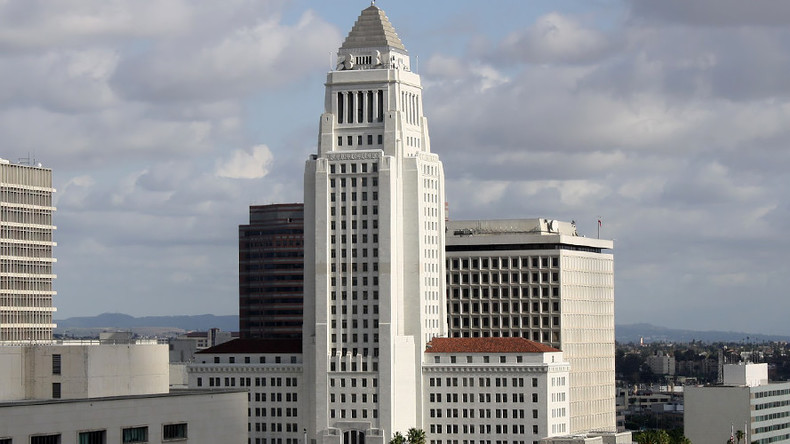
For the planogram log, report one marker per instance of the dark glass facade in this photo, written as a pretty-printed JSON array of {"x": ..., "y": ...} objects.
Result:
[{"x": 271, "y": 272}]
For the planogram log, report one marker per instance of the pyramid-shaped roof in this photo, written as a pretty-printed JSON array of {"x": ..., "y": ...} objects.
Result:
[{"x": 372, "y": 30}]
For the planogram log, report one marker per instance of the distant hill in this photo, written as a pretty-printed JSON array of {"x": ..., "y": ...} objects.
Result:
[
  {"x": 123, "y": 321},
  {"x": 652, "y": 333},
  {"x": 175, "y": 324}
]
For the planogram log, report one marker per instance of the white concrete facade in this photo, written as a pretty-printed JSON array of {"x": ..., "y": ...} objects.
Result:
[
  {"x": 184, "y": 417},
  {"x": 75, "y": 371},
  {"x": 761, "y": 410},
  {"x": 374, "y": 287},
  {"x": 479, "y": 398},
  {"x": 277, "y": 405},
  {"x": 77, "y": 392},
  {"x": 26, "y": 257},
  {"x": 538, "y": 279}
]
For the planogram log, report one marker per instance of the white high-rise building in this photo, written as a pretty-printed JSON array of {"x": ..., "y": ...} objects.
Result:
[
  {"x": 374, "y": 243},
  {"x": 26, "y": 253}
]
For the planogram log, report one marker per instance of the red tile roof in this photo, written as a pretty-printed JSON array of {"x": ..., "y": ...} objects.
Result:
[
  {"x": 238, "y": 346},
  {"x": 487, "y": 345}
]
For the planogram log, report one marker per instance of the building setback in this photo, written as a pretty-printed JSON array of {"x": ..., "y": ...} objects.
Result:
[
  {"x": 271, "y": 266},
  {"x": 538, "y": 279},
  {"x": 26, "y": 253}
]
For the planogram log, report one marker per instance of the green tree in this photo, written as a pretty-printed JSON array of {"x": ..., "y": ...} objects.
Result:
[
  {"x": 652, "y": 437},
  {"x": 415, "y": 436},
  {"x": 739, "y": 435},
  {"x": 398, "y": 439}
]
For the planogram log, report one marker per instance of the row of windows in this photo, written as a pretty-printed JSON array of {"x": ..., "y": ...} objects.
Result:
[
  {"x": 352, "y": 167},
  {"x": 363, "y": 397},
  {"x": 33, "y": 234},
  {"x": 274, "y": 397},
  {"x": 26, "y": 216},
  {"x": 355, "y": 352},
  {"x": 170, "y": 432},
  {"x": 353, "y": 367},
  {"x": 482, "y": 382},
  {"x": 246, "y": 382},
  {"x": 502, "y": 262},
  {"x": 350, "y": 140},
  {"x": 504, "y": 292},
  {"x": 276, "y": 412},
  {"x": 481, "y": 413},
  {"x": 504, "y": 278},
  {"x": 276, "y": 427},
  {"x": 771, "y": 416},
  {"x": 482, "y": 397},
  {"x": 374, "y": 181},
  {"x": 352, "y": 382},
  {"x": 25, "y": 196},
  {"x": 488, "y": 429},
  {"x": 504, "y": 307},
  {"x": 261, "y": 360},
  {"x": 354, "y": 310},
  {"x": 277, "y": 440},
  {"x": 768, "y": 393},
  {"x": 497, "y": 321},
  {"x": 353, "y": 413},
  {"x": 365, "y": 106}
]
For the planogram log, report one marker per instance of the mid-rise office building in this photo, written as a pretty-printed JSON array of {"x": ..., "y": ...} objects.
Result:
[
  {"x": 26, "y": 257},
  {"x": 271, "y": 265},
  {"x": 538, "y": 279},
  {"x": 746, "y": 401}
]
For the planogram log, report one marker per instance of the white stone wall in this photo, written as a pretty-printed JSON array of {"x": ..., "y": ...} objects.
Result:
[{"x": 86, "y": 371}]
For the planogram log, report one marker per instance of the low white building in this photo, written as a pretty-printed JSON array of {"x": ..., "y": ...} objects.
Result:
[
  {"x": 745, "y": 401},
  {"x": 271, "y": 371},
  {"x": 66, "y": 393},
  {"x": 478, "y": 390}
]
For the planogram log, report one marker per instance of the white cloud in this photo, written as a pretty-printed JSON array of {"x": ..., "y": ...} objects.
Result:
[
  {"x": 246, "y": 164},
  {"x": 554, "y": 38}
]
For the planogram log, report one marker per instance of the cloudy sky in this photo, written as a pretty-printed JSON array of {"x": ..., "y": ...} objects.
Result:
[{"x": 163, "y": 120}]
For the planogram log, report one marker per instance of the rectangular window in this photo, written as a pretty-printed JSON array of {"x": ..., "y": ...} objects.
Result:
[
  {"x": 56, "y": 390},
  {"x": 173, "y": 432},
  {"x": 45, "y": 439},
  {"x": 55, "y": 364},
  {"x": 93, "y": 437}
]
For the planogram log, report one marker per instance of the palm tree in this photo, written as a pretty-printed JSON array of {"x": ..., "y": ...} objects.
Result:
[
  {"x": 398, "y": 439},
  {"x": 739, "y": 436},
  {"x": 415, "y": 436}
]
